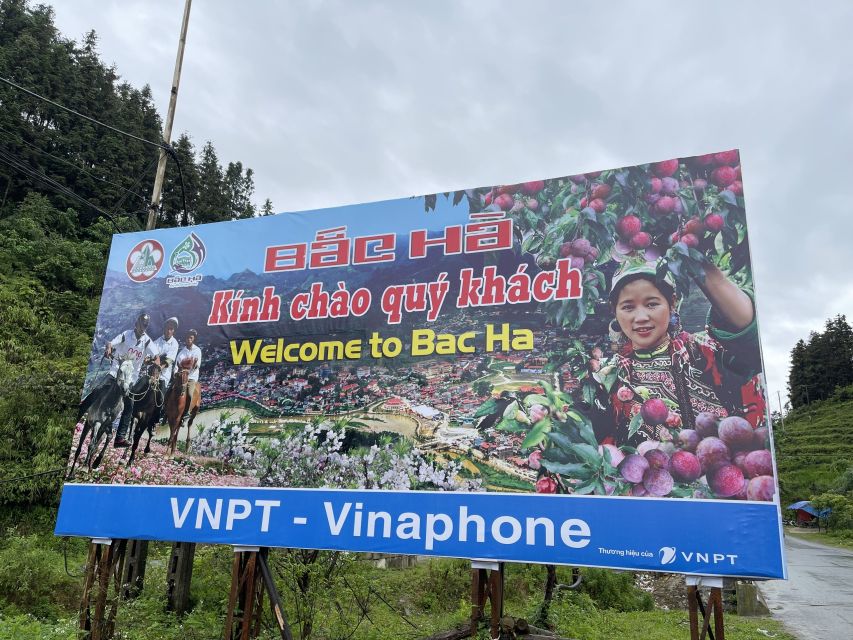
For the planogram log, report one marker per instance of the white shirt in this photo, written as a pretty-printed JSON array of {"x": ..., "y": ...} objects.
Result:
[
  {"x": 127, "y": 345},
  {"x": 186, "y": 354},
  {"x": 168, "y": 351}
]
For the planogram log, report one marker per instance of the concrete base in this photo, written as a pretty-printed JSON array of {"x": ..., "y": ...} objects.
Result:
[{"x": 749, "y": 600}]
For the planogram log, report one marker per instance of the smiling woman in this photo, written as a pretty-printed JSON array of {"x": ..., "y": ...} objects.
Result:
[{"x": 665, "y": 376}]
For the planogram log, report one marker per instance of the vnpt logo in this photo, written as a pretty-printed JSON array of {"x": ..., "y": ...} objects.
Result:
[{"x": 667, "y": 555}]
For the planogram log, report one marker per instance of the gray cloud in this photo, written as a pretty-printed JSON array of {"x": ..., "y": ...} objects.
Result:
[{"x": 341, "y": 102}]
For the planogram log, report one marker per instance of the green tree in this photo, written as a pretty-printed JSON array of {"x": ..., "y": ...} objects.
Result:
[
  {"x": 822, "y": 364},
  {"x": 212, "y": 204},
  {"x": 239, "y": 187},
  {"x": 54, "y": 250}
]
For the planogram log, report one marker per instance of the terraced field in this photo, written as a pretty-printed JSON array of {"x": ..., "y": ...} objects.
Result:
[{"x": 814, "y": 448}]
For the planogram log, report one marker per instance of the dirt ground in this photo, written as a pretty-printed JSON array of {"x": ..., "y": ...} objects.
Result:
[{"x": 669, "y": 591}]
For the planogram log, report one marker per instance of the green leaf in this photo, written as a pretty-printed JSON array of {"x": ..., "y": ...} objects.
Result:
[
  {"x": 682, "y": 248},
  {"x": 511, "y": 425},
  {"x": 585, "y": 489},
  {"x": 588, "y": 434},
  {"x": 587, "y": 453},
  {"x": 573, "y": 470},
  {"x": 589, "y": 394},
  {"x": 561, "y": 441},
  {"x": 532, "y": 243},
  {"x": 511, "y": 409},
  {"x": 681, "y": 491},
  {"x": 535, "y": 398},
  {"x": 636, "y": 423},
  {"x": 537, "y": 433},
  {"x": 486, "y": 408},
  {"x": 697, "y": 255}
]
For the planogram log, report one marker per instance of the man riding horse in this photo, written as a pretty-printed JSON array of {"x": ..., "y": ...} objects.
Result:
[
  {"x": 133, "y": 344},
  {"x": 166, "y": 347},
  {"x": 184, "y": 396}
]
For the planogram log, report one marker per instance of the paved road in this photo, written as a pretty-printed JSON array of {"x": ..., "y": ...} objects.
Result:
[{"x": 816, "y": 603}]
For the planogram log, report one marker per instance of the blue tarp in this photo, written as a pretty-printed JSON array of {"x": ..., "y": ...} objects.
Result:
[{"x": 805, "y": 505}]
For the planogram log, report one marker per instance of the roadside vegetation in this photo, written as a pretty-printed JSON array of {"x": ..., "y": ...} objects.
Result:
[
  {"x": 814, "y": 454},
  {"x": 345, "y": 596}
]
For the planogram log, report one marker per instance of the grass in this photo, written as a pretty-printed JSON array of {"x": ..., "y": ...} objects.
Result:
[
  {"x": 38, "y": 599},
  {"x": 830, "y": 539},
  {"x": 814, "y": 448}
]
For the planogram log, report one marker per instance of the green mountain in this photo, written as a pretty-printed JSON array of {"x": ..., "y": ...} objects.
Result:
[{"x": 815, "y": 446}]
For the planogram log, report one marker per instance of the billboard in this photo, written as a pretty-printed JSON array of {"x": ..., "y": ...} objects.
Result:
[{"x": 563, "y": 370}]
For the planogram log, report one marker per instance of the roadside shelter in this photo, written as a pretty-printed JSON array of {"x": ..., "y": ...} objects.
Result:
[{"x": 806, "y": 513}]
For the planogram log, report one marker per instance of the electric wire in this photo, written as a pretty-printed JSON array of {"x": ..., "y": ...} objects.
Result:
[
  {"x": 65, "y": 558},
  {"x": 74, "y": 166},
  {"x": 46, "y": 180},
  {"x": 159, "y": 145},
  {"x": 164, "y": 147},
  {"x": 32, "y": 475},
  {"x": 135, "y": 184}
]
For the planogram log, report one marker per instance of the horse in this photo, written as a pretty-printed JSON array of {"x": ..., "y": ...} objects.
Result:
[
  {"x": 178, "y": 407},
  {"x": 105, "y": 408},
  {"x": 147, "y": 400}
]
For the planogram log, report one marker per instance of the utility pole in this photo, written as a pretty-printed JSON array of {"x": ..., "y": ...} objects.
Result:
[
  {"x": 154, "y": 207},
  {"x": 137, "y": 550},
  {"x": 781, "y": 415}
]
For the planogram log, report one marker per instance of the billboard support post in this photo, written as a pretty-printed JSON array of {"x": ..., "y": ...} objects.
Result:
[
  {"x": 179, "y": 577},
  {"x": 133, "y": 576},
  {"x": 487, "y": 580},
  {"x": 250, "y": 575},
  {"x": 103, "y": 567},
  {"x": 696, "y": 606}
]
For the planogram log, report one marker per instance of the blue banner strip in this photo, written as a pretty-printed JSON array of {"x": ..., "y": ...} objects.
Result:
[{"x": 707, "y": 537}]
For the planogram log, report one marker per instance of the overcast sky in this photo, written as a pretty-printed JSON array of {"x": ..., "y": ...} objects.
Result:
[{"x": 342, "y": 102}]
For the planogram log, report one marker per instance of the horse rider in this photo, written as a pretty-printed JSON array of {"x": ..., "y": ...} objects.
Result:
[
  {"x": 167, "y": 348},
  {"x": 189, "y": 351},
  {"x": 133, "y": 343}
]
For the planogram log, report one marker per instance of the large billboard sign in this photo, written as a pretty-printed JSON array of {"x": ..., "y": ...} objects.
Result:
[{"x": 563, "y": 370}]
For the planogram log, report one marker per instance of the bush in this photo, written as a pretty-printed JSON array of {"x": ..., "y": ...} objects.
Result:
[
  {"x": 442, "y": 583},
  {"x": 615, "y": 590},
  {"x": 32, "y": 578}
]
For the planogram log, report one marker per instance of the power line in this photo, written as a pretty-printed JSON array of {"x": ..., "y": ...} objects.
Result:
[
  {"x": 32, "y": 475},
  {"x": 71, "y": 164},
  {"x": 135, "y": 184},
  {"x": 167, "y": 148},
  {"x": 16, "y": 163}
]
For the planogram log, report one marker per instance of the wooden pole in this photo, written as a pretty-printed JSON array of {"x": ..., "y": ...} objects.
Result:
[
  {"x": 133, "y": 576},
  {"x": 487, "y": 580},
  {"x": 183, "y": 553},
  {"x": 695, "y": 607},
  {"x": 104, "y": 568},
  {"x": 167, "y": 126},
  {"x": 179, "y": 577}
]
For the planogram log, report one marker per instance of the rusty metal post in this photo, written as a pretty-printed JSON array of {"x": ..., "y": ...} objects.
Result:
[
  {"x": 243, "y": 602},
  {"x": 104, "y": 569},
  {"x": 496, "y": 595},
  {"x": 695, "y": 607},
  {"x": 486, "y": 582}
]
